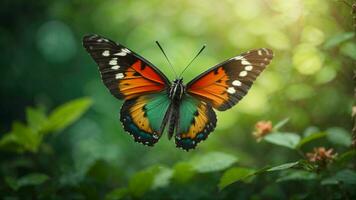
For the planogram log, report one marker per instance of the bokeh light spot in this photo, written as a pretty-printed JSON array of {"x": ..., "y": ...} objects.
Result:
[
  {"x": 307, "y": 59},
  {"x": 312, "y": 35},
  {"x": 56, "y": 42}
]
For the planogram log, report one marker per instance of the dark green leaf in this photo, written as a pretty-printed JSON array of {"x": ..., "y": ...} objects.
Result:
[
  {"x": 116, "y": 194},
  {"x": 338, "y": 39},
  {"x": 142, "y": 181},
  {"x": 289, "y": 140},
  {"x": 67, "y": 113},
  {"x": 346, "y": 156},
  {"x": 280, "y": 124},
  {"x": 233, "y": 175},
  {"x": 28, "y": 180},
  {"x": 310, "y": 138},
  {"x": 345, "y": 176},
  {"x": 213, "y": 161},
  {"x": 296, "y": 175},
  {"x": 339, "y": 136}
]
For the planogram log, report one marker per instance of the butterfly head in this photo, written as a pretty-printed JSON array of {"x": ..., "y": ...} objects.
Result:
[{"x": 177, "y": 89}]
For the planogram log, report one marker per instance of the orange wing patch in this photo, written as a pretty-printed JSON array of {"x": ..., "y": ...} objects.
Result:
[
  {"x": 126, "y": 74},
  {"x": 212, "y": 87},
  {"x": 138, "y": 115},
  {"x": 228, "y": 82},
  {"x": 140, "y": 78}
]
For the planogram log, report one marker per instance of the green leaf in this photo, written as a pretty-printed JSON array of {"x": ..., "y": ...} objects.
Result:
[
  {"x": 183, "y": 171},
  {"x": 116, "y": 194},
  {"x": 289, "y": 140},
  {"x": 213, "y": 161},
  {"x": 162, "y": 178},
  {"x": 67, "y": 113},
  {"x": 346, "y": 156},
  {"x": 32, "y": 179},
  {"x": 339, "y": 136},
  {"x": 310, "y": 138},
  {"x": 21, "y": 138},
  {"x": 10, "y": 142},
  {"x": 283, "y": 166},
  {"x": 233, "y": 175},
  {"x": 36, "y": 118},
  {"x": 349, "y": 49},
  {"x": 296, "y": 175},
  {"x": 338, "y": 39},
  {"x": 345, "y": 176},
  {"x": 142, "y": 181},
  {"x": 280, "y": 124},
  {"x": 310, "y": 131}
]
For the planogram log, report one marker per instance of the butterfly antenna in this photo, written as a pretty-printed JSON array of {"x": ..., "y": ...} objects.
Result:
[
  {"x": 170, "y": 64},
  {"x": 201, "y": 50}
]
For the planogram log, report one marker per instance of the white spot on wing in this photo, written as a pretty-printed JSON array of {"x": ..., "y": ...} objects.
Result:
[
  {"x": 119, "y": 76},
  {"x": 237, "y": 58},
  {"x": 236, "y": 83},
  {"x": 120, "y": 54},
  {"x": 243, "y": 73},
  {"x": 113, "y": 62},
  {"x": 249, "y": 68},
  {"x": 123, "y": 52},
  {"x": 106, "y": 53},
  {"x": 245, "y": 62},
  {"x": 115, "y": 67},
  {"x": 231, "y": 90},
  {"x": 259, "y": 52},
  {"x": 265, "y": 50}
]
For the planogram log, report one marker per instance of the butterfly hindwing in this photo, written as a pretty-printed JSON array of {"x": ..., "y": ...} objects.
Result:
[
  {"x": 227, "y": 83},
  {"x": 125, "y": 74},
  {"x": 196, "y": 120},
  {"x": 144, "y": 117}
]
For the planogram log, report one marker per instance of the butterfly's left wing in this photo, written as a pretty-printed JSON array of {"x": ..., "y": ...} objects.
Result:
[
  {"x": 130, "y": 77},
  {"x": 221, "y": 87}
]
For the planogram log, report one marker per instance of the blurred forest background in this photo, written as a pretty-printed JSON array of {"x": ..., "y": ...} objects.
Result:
[{"x": 60, "y": 132}]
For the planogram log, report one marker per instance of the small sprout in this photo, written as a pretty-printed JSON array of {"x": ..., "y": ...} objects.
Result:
[
  {"x": 321, "y": 156},
  {"x": 262, "y": 128}
]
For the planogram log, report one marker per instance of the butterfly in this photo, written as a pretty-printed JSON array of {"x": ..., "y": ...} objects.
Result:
[{"x": 151, "y": 101}]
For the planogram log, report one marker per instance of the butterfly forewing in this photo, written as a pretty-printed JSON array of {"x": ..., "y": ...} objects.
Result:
[
  {"x": 125, "y": 74},
  {"x": 227, "y": 83}
]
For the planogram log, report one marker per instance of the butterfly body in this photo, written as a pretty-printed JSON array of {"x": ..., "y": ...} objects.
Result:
[{"x": 152, "y": 102}]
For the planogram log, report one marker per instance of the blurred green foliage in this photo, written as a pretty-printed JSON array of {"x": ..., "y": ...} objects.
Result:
[{"x": 43, "y": 65}]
